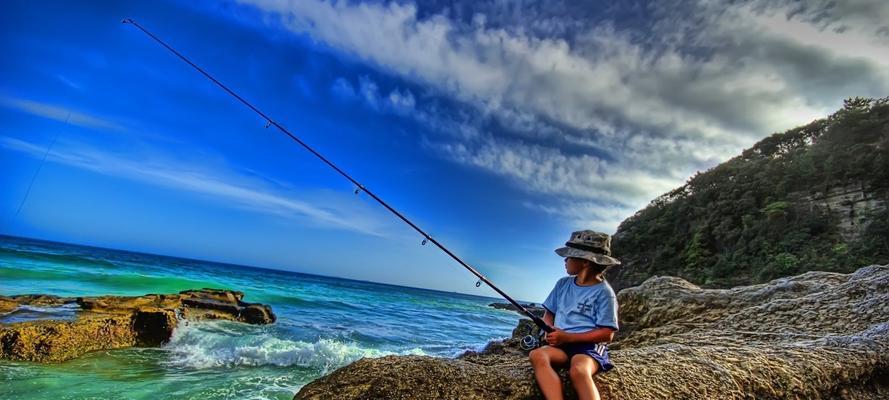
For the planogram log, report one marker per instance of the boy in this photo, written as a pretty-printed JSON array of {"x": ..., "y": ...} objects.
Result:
[{"x": 583, "y": 310}]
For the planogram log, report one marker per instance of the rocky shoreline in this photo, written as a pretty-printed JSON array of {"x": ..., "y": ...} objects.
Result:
[
  {"x": 115, "y": 322},
  {"x": 818, "y": 335}
]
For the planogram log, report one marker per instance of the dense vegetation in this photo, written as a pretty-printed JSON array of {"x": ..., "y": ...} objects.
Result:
[{"x": 753, "y": 218}]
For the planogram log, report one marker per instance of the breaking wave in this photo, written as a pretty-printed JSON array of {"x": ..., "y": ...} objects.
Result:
[
  {"x": 24, "y": 312},
  {"x": 213, "y": 344}
]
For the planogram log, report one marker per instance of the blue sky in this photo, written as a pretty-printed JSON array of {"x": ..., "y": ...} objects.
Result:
[{"x": 499, "y": 127}]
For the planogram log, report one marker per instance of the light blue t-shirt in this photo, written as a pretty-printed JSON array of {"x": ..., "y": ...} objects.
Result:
[{"x": 582, "y": 308}]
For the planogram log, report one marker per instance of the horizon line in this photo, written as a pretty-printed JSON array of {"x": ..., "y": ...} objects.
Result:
[{"x": 230, "y": 264}]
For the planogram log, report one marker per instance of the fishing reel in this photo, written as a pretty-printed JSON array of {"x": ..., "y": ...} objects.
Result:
[{"x": 533, "y": 339}]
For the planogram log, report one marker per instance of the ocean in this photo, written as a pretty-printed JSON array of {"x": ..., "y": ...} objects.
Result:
[{"x": 323, "y": 323}]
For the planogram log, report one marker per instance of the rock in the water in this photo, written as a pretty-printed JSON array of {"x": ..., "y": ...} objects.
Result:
[
  {"x": 7, "y": 304},
  {"x": 814, "y": 336},
  {"x": 533, "y": 308},
  {"x": 153, "y": 326},
  {"x": 113, "y": 322},
  {"x": 223, "y": 304},
  {"x": 52, "y": 341},
  {"x": 257, "y": 314}
]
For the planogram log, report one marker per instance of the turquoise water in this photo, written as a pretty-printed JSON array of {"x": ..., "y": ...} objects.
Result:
[{"x": 323, "y": 324}]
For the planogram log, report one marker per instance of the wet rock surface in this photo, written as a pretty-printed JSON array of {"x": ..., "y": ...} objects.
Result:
[
  {"x": 7, "y": 304},
  {"x": 814, "y": 336},
  {"x": 113, "y": 322}
]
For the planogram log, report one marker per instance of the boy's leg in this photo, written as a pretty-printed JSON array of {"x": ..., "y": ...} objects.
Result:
[
  {"x": 543, "y": 359},
  {"x": 582, "y": 369}
]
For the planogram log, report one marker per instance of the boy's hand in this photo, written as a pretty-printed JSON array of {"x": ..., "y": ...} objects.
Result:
[{"x": 557, "y": 337}]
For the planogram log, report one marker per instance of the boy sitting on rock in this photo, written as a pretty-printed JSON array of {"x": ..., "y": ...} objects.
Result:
[{"x": 583, "y": 310}]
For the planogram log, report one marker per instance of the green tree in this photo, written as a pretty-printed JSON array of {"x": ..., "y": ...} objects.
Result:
[{"x": 757, "y": 216}]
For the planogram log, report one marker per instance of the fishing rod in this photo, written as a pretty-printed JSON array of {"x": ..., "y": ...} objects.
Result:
[
  {"x": 40, "y": 167},
  {"x": 360, "y": 188}
]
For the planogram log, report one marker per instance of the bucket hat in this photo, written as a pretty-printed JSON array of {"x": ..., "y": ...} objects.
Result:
[{"x": 589, "y": 245}]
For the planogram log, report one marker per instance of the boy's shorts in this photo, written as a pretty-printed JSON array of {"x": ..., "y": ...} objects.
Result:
[{"x": 598, "y": 352}]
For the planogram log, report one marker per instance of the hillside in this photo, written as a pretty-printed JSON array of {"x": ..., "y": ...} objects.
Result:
[{"x": 812, "y": 198}]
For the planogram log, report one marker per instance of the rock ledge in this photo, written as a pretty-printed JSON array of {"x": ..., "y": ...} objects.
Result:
[
  {"x": 818, "y": 335},
  {"x": 114, "y": 322}
]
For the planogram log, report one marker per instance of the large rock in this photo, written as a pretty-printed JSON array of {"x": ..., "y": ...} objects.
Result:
[
  {"x": 113, "y": 322},
  {"x": 7, "y": 304},
  {"x": 533, "y": 308},
  {"x": 814, "y": 336},
  {"x": 53, "y": 341}
]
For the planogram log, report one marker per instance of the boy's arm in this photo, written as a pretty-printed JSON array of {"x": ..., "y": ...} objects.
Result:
[
  {"x": 549, "y": 318},
  {"x": 598, "y": 335}
]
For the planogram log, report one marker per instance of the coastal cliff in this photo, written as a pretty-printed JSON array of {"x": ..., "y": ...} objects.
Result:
[
  {"x": 818, "y": 335},
  {"x": 114, "y": 322},
  {"x": 813, "y": 198}
]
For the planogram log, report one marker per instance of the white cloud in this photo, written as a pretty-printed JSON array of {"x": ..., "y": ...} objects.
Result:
[
  {"x": 579, "y": 214},
  {"x": 218, "y": 183},
  {"x": 399, "y": 101},
  {"x": 604, "y": 80},
  {"x": 343, "y": 89},
  {"x": 547, "y": 170},
  {"x": 868, "y": 17},
  {"x": 370, "y": 91},
  {"x": 59, "y": 113},
  {"x": 706, "y": 79},
  {"x": 69, "y": 82}
]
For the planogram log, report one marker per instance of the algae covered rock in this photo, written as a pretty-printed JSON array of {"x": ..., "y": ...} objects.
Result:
[
  {"x": 54, "y": 341},
  {"x": 223, "y": 304},
  {"x": 153, "y": 326},
  {"x": 7, "y": 304},
  {"x": 814, "y": 336},
  {"x": 114, "y": 322}
]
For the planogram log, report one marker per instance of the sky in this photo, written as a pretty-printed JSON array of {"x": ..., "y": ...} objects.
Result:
[{"x": 499, "y": 127}]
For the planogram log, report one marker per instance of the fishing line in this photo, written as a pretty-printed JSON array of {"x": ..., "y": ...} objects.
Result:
[
  {"x": 39, "y": 167},
  {"x": 359, "y": 187}
]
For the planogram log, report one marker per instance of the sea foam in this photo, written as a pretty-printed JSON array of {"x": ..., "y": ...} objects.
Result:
[
  {"x": 24, "y": 312},
  {"x": 213, "y": 344}
]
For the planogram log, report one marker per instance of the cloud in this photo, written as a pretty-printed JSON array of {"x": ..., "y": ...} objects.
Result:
[
  {"x": 456, "y": 122},
  {"x": 59, "y": 113},
  {"x": 369, "y": 91},
  {"x": 579, "y": 215},
  {"x": 604, "y": 80},
  {"x": 588, "y": 97},
  {"x": 550, "y": 171},
  {"x": 218, "y": 182},
  {"x": 401, "y": 100},
  {"x": 342, "y": 89},
  {"x": 398, "y": 101},
  {"x": 868, "y": 17},
  {"x": 69, "y": 82}
]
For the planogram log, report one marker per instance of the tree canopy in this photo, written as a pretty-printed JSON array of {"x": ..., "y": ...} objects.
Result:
[{"x": 761, "y": 215}]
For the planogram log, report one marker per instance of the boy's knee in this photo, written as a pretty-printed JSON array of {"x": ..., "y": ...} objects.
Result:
[
  {"x": 581, "y": 367},
  {"x": 577, "y": 372},
  {"x": 538, "y": 357}
]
